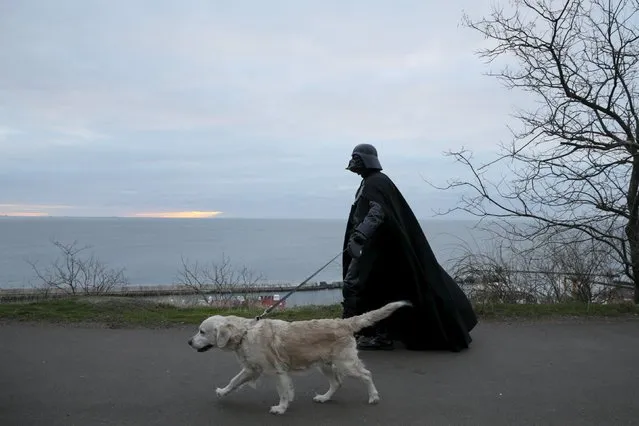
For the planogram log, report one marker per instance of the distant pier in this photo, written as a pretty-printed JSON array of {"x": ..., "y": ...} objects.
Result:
[{"x": 25, "y": 294}]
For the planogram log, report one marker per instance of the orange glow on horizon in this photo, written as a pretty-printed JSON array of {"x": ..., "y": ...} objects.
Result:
[
  {"x": 180, "y": 215},
  {"x": 24, "y": 214}
]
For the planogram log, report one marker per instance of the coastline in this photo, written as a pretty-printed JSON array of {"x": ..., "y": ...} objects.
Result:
[{"x": 26, "y": 294}]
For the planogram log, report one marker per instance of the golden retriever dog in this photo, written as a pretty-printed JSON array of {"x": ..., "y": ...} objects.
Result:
[{"x": 278, "y": 348}]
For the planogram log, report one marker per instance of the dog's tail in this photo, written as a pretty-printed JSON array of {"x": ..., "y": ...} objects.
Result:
[{"x": 370, "y": 318}]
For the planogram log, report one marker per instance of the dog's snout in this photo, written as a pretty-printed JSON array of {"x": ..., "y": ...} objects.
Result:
[{"x": 191, "y": 341}]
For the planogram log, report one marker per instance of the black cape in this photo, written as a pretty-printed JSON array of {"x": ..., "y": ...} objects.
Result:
[{"x": 397, "y": 263}]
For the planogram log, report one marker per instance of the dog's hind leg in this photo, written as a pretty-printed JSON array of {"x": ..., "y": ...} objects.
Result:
[
  {"x": 355, "y": 368},
  {"x": 285, "y": 391},
  {"x": 243, "y": 377},
  {"x": 333, "y": 381}
]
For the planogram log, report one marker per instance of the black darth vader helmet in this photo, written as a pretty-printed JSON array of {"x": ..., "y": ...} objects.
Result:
[{"x": 364, "y": 156}]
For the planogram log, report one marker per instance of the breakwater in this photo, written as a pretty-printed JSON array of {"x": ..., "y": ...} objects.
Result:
[{"x": 26, "y": 294}]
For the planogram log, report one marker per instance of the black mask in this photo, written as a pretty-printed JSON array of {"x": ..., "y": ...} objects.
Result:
[{"x": 356, "y": 165}]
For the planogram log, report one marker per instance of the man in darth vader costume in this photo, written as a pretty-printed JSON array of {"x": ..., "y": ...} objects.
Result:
[{"x": 387, "y": 257}]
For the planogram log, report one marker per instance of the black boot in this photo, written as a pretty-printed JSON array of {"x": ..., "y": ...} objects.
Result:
[
  {"x": 378, "y": 341},
  {"x": 375, "y": 343}
]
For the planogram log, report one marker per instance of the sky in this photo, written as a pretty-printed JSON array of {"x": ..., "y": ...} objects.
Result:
[{"x": 237, "y": 109}]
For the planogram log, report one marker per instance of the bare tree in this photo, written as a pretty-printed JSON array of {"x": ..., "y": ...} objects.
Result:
[
  {"x": 575, "y": 163},
  {"x": 217, "y": 282},
  {"x": 78, "y": 275}
]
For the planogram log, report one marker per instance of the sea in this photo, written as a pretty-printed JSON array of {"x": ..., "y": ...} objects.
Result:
[{"x": 152, "y": 251}]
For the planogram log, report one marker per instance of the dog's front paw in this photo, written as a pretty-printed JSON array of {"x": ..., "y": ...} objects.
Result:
[
  {"x": 220, "y": 392},
  {"x": 373, "y": 399},
  {"x": 320, "y": 398},
  {"x": 277, "y": 409}
]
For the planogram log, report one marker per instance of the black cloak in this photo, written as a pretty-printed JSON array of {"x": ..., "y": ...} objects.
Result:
[{"x": 397, "y": 263}]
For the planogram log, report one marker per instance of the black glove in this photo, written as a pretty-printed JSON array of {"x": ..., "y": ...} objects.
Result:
[{"x": 355, "y": 244}]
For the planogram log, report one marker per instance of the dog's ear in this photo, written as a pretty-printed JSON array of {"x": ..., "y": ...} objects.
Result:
[{"x": 225, "y": 333}]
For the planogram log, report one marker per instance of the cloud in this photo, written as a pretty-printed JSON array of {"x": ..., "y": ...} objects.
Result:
[
  {"x": 179, "y": 215},
  {"x": 6, "y": 132},
  {"x": 157, "y": 106},
  {"x": 34, "y": 206},
  {"x": 30, "y": 210},
  {"x": 80, "y": 133},
  {"x": 24, "y": 214}
]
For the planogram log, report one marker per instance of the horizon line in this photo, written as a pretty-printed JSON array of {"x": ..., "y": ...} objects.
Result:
[{"x": 217, "y": 217}]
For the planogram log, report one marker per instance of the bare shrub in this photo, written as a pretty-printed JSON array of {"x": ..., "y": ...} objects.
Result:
[
  {"x": 556, "y": 269},
  {"x": 487, "y": 276},
  {"x": 577, "y": 270},
  {"x": 218, "y": 282},
  {"x": 73, "y": 274}
]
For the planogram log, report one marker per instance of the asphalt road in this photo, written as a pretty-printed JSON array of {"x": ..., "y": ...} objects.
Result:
[{"x": 544, "y": 373}]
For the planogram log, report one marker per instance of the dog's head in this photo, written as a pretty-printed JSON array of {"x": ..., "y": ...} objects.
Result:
[{"x": 218, "y": 332}]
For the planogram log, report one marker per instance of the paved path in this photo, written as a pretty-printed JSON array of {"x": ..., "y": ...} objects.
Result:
[{"x": 550, "y": 373}]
